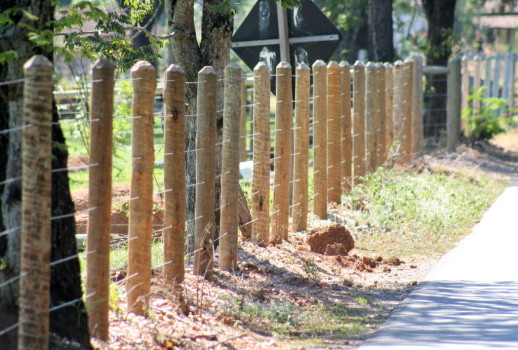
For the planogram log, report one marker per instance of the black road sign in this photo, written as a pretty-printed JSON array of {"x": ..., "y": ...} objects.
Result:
[{"x": 310, "y": 35}]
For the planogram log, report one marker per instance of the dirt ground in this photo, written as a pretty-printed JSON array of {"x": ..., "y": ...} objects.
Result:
[{"x": 369, "y": 287}]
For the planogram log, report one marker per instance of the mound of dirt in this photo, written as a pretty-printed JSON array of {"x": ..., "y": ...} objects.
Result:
[
  {"x": 334, "y": 239},
  {"x": 120, "y": 208}
]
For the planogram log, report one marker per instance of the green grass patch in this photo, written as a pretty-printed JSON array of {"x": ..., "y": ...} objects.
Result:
[{"x": 416, "y": 213}]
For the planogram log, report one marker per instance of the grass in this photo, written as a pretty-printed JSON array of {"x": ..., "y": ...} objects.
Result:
[
  {"x": 406, "y": 213},
  {"x": 282, "y": 318}
]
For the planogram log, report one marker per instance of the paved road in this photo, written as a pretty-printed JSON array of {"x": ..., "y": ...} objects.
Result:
[{"x": 469, "y": 300}]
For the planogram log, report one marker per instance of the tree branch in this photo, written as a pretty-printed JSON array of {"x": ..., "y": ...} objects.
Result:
[{"x": 140, "y": 29}]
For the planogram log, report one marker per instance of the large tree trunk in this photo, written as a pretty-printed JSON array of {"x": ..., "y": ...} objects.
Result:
[
  {"x": 440, "y": 17},
  {"x": 213, "y": 50},
  {"x": 381, "y": 43},
  {"x": 68, "y": 322}
]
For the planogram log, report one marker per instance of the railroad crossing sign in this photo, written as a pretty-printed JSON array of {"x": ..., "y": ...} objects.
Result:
[{"x": 272, "y": 34}]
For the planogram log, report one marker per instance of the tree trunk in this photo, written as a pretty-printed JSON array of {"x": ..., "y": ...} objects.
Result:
[
  {"x": 440, "y": 17},
  {"x": 68, "y": 322},
  {"x": 213, "y": 50},
  {"x": 381, "y": 43}
]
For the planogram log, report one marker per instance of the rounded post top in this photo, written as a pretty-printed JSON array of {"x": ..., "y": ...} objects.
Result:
[
  {"x": 283, "y": 64},
  {"x": 344, "y": 64},
  {"x": 319, "y": 63},
  {"x": 359, "y": 64},
  {"x": 174, "y": 68},
  {"x": 333, "y": 65},
  {"x": 103, "y": 63},
  {"x": 37, "y": 61},
  {"x": 398, "y": 63},
  {"x": 207, "y": 70},
  {"x": 387, "y": 65},
  {"x": 142, "y": 66},
  {"x": 370, "y": 65},
  {"x": 261, "y": 66},
  {"x": 233, "y": 66},
  {"x": 302, "y": 66}
]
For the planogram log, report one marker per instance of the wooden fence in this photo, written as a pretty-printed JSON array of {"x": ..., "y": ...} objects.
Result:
[{"x": 353, "y": 119}]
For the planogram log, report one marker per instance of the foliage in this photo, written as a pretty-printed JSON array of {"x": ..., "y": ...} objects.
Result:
[
  {"x": 108, "y": 40},
  {"x": 488, "y": 118}
]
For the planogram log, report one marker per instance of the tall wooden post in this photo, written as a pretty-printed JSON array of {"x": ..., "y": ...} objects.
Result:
[
  {"x": 100, "y": 199},
  {"x": 370, "y": 116},
  {"x": 495, "y": 87},
  {"x": 242, "y": 146},
  {"x": 320, "y": 138},
  {"x": 138, "y": 283},
  {"x": 261, "y": 156},
  {"x": 453, "y": 104},
  {"x": 477, "y": 74},
  {"x": 417, "y": 105},
  {"x": 464, "y": 94},
  {"x": 174, "y": 175},
  {"x": 359, "y": 120},
  {"x": 381, "y": 126},
  {"x": 403, "y": 110},
  {"x": 389, "y": 114},
  {"x": 33, "y": 331},
  {"x": 230, "y": 167},
  {"x": 346, "y": 126},
  {"x": 488, "y": 78},
  {"x": 300, "y": 177},
  {"x": 281, "y": 182},
  {"x": 334, "y": 193},
  {"x": 204, "y": 216}
]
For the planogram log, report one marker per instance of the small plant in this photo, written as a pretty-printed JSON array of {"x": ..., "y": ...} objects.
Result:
[
  {"x": 488, "y": 118},
  {"x": 310, "y": 269}
]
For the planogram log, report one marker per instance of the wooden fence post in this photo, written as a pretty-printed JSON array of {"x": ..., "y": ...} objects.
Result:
[
  {"x": 487, "y": 80},
  {"x": 464, "y": 94},
  {"x": 417, "y": 106},
  {"x": 100, "y": 199},
  {"x": 370, "y": 116},
  {"x": 453, "y": 104},
  {"x": 138, "y": 283},
  {"x": 381, "y": 130},
  {"x": 495, "y": 87},
  {"x": 389, "y": 114},
  {"x": 512, "y": 80},
  {"x": 403, "y": 109},
  {"x": 320, "y": 139},
  {"x": 359, "y": 120},
  {"x": 36, "y": 205},
  {"x": 346, "y": 128},
  {"x": 509, "y": 79},
  {"x": 301, "y": 151},
  {"x": 230, "y": 167},
  {"x": 281, "y": 182},
  {"x": 334, "y": 193},
  {"x": 174, "y": 175},
  {"x": 204, "y": 216},
  {"x": 477, "y": 74},
  {"x": 261, "y": 156},
  {"x": 243, "y": 133}
]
